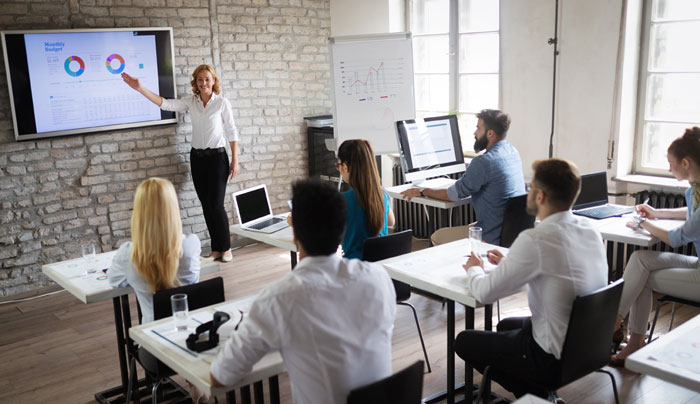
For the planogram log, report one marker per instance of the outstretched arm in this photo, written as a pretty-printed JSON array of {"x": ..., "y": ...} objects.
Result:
[{"x": 134, "y": 83}]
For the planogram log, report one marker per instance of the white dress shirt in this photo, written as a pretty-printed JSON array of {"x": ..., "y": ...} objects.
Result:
[
  {"x": 122, "y": 274},
  {"x": 211, "y": 126},
  {"x": 331, "y": 319},
  {"x": 563, "y": 257}
]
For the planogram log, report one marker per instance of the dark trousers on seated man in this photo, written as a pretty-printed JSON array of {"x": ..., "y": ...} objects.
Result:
[{"x": 517, "y": 362}]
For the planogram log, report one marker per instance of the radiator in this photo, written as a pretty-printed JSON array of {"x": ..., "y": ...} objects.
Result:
[
  {"x": 619, "y": 253},
  {"x": 413, "y": 216}
]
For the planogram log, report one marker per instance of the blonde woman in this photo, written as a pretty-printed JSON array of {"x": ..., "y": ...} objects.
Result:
[
  {"x": 159, "y": 255},
  {"x": 368, "y": 211},
  {"x": 212, "y": 126}
]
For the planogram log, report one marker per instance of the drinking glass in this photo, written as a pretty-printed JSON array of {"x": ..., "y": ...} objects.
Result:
[
  {"x": 475, "y": 239},
  {"x": 178, "y": 303},
  {"x": 88, "y": 251}
]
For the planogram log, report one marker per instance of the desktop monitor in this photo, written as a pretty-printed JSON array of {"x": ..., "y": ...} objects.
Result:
[{"x": 430, "y": 147}]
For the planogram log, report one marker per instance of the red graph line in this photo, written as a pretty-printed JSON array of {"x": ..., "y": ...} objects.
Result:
[{"x": 369, "y": 72}]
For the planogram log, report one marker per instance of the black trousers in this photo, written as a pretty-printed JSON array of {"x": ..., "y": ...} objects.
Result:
[
  {"x": 209, "y": 175},
  {"x": 517, "y": 361}
]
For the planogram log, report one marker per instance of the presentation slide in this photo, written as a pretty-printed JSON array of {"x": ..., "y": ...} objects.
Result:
[
  {"x": 76, "y": 79},
  {"x": 430, "y": 143}
]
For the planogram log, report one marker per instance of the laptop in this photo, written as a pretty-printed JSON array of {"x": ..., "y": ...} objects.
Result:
[
  {"x": 253, "y": 210},
  {"x": 593, "y": 200}
]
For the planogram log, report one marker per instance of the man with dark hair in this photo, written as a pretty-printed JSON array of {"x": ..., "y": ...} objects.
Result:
[
  {"x": 561, "y": 258},
  {"x": 490, "y": 179},
  {"x": 331, "y": 318}
]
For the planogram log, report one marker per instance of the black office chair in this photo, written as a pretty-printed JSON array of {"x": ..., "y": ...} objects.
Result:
[
  {"x": 379, "y": 248},
  {"x": 587, "y": 345},
  {"x": 668, "y": 298},
  {"x": 202, "y": 294},
  {"x": 404, "y": 387}
]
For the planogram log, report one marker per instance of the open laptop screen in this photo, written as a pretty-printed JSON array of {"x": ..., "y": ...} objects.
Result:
[
  {"x": 594, "y": 191},
  {"x": 252, "y": 205}
]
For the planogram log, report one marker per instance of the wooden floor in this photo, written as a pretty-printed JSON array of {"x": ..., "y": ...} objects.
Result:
[{"x": 57, "y": 349}]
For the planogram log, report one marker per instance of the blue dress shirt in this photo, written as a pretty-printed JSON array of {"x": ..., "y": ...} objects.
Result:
[{"x": 491, "y": 178}]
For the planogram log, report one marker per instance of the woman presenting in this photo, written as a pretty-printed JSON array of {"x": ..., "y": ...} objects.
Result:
[
  {"x": 664, "y": 272},
  {"x": 212, "y": 126}
]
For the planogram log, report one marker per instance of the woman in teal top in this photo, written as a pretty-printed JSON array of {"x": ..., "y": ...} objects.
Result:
[{"x": 368, "y": 210}]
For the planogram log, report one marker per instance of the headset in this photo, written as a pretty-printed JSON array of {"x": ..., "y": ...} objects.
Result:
[{"x": 193, "y": 342}]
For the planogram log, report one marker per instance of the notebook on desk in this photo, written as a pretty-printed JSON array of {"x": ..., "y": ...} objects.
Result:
[
  {"x": 254, "y": 212},
  {"x": 593, "y": 200}
]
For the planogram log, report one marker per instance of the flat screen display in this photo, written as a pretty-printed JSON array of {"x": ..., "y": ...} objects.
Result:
[
  {"x": 69, "y": 82},
  {"x": 430, "y": 147}
]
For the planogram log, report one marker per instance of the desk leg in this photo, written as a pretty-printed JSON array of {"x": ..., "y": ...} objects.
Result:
[
  {"x": 450, "y": 352},
  {"x": 468, "y": 370},
  {"x": 293, "y": 256},
  {"x": 117, "y": 393}
]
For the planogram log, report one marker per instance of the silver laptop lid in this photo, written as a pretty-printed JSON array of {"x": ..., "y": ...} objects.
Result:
[{"x": 252, "y": 205}]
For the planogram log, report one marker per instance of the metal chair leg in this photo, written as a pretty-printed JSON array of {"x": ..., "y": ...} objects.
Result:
[
  {"x": 154, "y": 392},
  {"x": 132, "y": 376},
  {"x": 420, "y": 334},
  {"x": 498, "y": 310},
  {"x": 653, "y": 323},
  {"x": 614, "y": 384},
  {"x": 673, "y": 313},
  {"x": 482, "y": 387}
]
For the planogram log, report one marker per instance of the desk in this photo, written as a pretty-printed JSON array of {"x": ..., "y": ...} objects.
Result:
[
  {"x": 196, "y": 369},
  {"x": 438, "y": 183},
  {"x": 282, "y": 239},
  {"x": 94, "y": 288},
  {"x": 674, "y": 357},
  {"x": 615, "y": 229},
  {"x": 438, "y": 270}
]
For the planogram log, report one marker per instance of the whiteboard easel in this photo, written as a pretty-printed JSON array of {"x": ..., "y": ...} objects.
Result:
[{"x": 372, "y": 78}]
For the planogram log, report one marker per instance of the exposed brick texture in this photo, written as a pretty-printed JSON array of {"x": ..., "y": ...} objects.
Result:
[{"x": 55, "y": 194}]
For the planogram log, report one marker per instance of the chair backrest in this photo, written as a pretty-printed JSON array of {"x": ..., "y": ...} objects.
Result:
[
  {"x": 404, "y": 387},
  {"x": 391, "y": 245},
  {"x": 587, "y": 344},
  {"x": 199, "y": 295},
  {"x": 515, "y": 220}
]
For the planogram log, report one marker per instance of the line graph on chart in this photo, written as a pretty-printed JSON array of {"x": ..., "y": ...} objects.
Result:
[{"x": 372, "y": 79}]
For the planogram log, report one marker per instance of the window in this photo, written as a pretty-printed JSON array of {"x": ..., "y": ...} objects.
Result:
[
  {"x": 455, "y": 59},
  {"x": 669, "y": 93}
]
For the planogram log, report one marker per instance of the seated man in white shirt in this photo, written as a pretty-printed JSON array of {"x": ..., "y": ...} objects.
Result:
[
  {"x": 561, "y": 258},
  {"x": 331, "y": 318}
]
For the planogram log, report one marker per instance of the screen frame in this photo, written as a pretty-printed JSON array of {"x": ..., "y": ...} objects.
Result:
[
  {"x": 416, "y": 174},
  {"x": 93, "y": 129}
]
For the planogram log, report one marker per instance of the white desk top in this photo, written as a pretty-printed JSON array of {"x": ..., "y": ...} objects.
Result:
[
  {"x": 438, "y": 270},
  {"x": 91, "y": 288},
  {"x": 674, "y": 357},
  {"x": 439, "y": 183},
  {"x": 615, "y": 229},
  {"x": 282, "y": 239},
  {"x": 195, "y": 366}
]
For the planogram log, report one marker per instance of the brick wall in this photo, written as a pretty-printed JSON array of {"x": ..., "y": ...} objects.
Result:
[{"x": 56, "y": 194}]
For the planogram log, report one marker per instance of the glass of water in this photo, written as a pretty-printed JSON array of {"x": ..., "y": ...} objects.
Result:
[
  {"x": 178, "y": 303},
  {"x": 89, "y": 256},
  {"x": 475, "y": 239}
]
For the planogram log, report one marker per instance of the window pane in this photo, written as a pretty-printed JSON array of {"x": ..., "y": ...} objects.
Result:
[
  {"x": 673, "y": 97},
  {"x": 675, "y": 9},
  {"x": 478, "y": 15},
  {"x": 431, "y": 54},
  {"x": 478, "y": 53},
  {"x": 429, "y": 114},
  {"x": 431, "y": 17},
  {"x": 432, "y": 92},
  {"x": 657, "y": 137},
  {"x": 478, "y": 91},
  {"x": 467, "y": 126},
  {"x": 673, "y": 46}
]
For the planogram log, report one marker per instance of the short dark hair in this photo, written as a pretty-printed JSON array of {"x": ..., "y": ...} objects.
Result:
[
  {"x": 687, "y": 145},
  {"x": 559, "y": 179},
  {"x": 495, "y": 120},
  {"x": 318, "y": 215}
]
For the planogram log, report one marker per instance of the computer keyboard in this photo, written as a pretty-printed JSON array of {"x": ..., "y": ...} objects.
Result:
[
  {"x": 604, "y": 211},
  {"x": 265, "y": 223}
]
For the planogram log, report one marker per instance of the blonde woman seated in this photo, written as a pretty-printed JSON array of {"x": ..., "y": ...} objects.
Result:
[
  {"x": 664, "y": 272},
  {"x": 159, "y": 255}
]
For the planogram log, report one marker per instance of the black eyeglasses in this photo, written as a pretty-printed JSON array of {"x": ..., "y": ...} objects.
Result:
[{"x": 239, "y": 321}]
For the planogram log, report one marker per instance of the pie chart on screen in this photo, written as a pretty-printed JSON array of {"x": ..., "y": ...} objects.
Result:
[
  {"x": 74, "y": 69},
  {"x": 115, "y": 63}
]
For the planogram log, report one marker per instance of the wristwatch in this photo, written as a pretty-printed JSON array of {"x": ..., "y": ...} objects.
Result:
[
  {"x": 639, "y": 220},
  {"x": 421, "y": 192}
]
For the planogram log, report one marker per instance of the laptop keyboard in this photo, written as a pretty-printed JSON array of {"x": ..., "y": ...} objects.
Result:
[
  {"x": 604, "y": 211},
  {"x": 265, "y": 223}
]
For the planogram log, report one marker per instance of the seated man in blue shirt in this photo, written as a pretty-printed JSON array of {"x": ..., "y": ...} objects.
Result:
[{"x": 491, "y": 178}]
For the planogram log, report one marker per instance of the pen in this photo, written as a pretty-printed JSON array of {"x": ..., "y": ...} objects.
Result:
[{"x": 645, "y": 201}]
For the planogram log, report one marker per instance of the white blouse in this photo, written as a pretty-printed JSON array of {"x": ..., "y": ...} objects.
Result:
[
  {"x": 212, "y": 126},
  {"x": 122, "y": 274}
]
